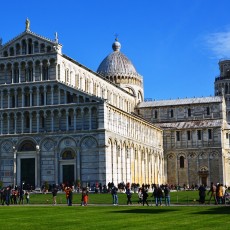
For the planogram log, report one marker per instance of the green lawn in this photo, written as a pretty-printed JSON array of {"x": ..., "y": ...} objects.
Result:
[
  {"x": 114, "y": 217},
  {"x": 184, "y": 213}
]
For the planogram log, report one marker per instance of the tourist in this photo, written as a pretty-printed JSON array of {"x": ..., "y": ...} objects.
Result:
[
  {"x": 129, "y": 196},
  {"x": 167, "y": 195},
  {"x": 27, "y": 194},
  {"x": 140, "y": 196},
  {"x": 202, "y": 194},
  {"x": 84, "y": 198},
  {"x": 213, "y": 193},
  {"x": 54, "y": 193},
  {"x": 68, "y": 195},
  {"x": 145, "y": 197},
  {"x": 114, "y": 195}
]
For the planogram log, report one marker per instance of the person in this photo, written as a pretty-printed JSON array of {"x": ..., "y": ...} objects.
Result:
[
  {"x": 213, "y": 193},
  {"x": 202, "y": 193},
  {"x": 21, "y": 195},
  {"x": 114, "y": 195},
  {"x": 84, "y": 197},
  {"x": 159, "y": 195},
  {"x": 129, "y": 196},
  {"x": 167, "y": 195},
  {"x": 27, "y": 194},
  {"x": 145, "y": 197},
  {"x": 220, "y": 193},
  {"x": 54, "y": 193},
  {"x": 7, "y": 195},
  {"x": 140, "y": 196},
  {"x": 155, "y": 194},
  {"x": 68, "y": 194}
]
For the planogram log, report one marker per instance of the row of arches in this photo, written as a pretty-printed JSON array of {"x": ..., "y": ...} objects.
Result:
[
  {"x": 184, "y": 168},
  {"x": 39, "y": 95},
  {"x": 130, "y": 162},
  {"x": 54, "y": 120},
  {"x": 134, "y": 128},
  {"x": 28, "y": 71},
  {"x": 27, "y": 46}
]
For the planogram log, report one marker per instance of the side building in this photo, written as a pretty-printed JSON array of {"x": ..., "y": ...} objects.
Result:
[
  {"x": 196, "y": 138},
  {"x": 61, "y": 122}
]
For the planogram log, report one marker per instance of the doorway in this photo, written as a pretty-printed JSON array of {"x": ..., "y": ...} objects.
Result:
[
  {"x": 28, "y": 173},
  {"x": 68, "y": 174}
]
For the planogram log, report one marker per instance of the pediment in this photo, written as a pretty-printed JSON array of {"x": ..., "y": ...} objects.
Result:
[{"x": 29, "y": 42}]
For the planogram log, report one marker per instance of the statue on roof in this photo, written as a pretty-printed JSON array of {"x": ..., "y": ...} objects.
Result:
[
  {"x": 0, "y": 42},
  {"x": 27, "y": 24},
  {"x": 56, "y": 37}
]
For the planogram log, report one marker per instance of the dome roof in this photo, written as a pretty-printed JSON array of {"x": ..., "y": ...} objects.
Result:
[{"x": 116, "y": 64}]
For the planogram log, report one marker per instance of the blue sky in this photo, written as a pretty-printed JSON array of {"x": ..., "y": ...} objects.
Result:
[{"x": 174, "y": 44}]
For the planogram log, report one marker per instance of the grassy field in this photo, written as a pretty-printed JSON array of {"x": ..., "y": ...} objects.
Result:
[
  {"x": 114, "y": 217},
  {"x": 184, "y": 213}
]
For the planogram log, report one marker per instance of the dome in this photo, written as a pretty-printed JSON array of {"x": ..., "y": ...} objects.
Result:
[{"x": 116, "y": 64}]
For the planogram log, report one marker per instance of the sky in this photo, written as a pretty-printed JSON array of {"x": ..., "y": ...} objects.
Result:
[{"x": 175, "y": 45}]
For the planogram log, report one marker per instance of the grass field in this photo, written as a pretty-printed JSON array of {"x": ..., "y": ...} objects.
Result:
[
  {"x": 184, "y": 213},
  {"x": 114, "y": 217}
]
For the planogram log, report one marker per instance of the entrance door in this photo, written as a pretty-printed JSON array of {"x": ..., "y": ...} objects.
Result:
[
  {"x": 28, "y": 172},
  {"x": 204, "y": 180},
  {"x": 68, "y": 174}
]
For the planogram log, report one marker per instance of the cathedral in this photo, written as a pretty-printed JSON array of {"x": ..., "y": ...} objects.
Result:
[{"x": 61, "y": 122}]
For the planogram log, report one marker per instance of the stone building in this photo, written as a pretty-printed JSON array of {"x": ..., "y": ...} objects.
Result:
[
  {"x": 62, "y": 122},
  {"x": 196, "y": 138}
]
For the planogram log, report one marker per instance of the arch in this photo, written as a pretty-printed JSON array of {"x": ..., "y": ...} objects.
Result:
[
  {"x": 182, "y": 158},
  {"x": 27, "y": 145},
  {"x": 68, "y": 154}
]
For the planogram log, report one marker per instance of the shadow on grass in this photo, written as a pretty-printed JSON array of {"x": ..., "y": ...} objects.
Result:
[
  {"x": 215, "y": 211},
  {"x": 145, "y": 211}
]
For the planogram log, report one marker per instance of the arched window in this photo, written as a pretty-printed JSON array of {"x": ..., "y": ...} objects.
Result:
[
  {"x": 28, "y": 146},
  {"x": 208, "y": 110},
  {"x": 189, "y": 112},
  {"x": 68, "y": 155},
  {"x": 181, "y": 162}
]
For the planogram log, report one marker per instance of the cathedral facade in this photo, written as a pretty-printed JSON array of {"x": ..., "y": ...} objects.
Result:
[{"x": 61, "y": 122}]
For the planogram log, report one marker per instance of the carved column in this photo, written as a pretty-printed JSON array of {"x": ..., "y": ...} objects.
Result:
[
  {"x": 31, "y": 116},
  {"x": 22, "y": 123},
  {"x": 52, "y": 95},
  {"x": 38, "y": 119},
  {"x": 52, "y": 121},
  {"x": 31, "y": 97},
  {"x": 38, "y": 96},
  {"x": 45, "y": 93},
  {"x": 67, "y": 121},
  {"x": 15, "y": 123},
  {"x": 8, "y": 123},
  {"x": 41, "y": 71},
  {"x": 34, "y": 66},
  {"x": 8, "y": 99}
]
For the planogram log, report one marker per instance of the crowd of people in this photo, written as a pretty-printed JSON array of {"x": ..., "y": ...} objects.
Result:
[
  {"x": 156, "y": 194},
  {"x": 217, "y": 193},
  {"x": 14, "y": 196}
]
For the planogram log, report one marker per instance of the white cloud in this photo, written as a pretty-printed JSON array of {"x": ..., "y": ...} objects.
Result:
[{"x": 219, "y": 44}]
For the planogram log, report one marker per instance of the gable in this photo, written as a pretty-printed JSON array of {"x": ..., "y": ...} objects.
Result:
[{"x": 28, "y": 43}]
